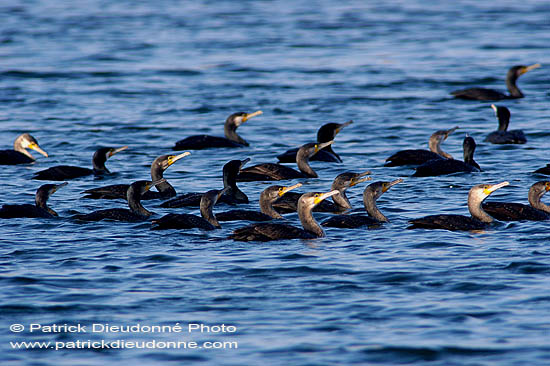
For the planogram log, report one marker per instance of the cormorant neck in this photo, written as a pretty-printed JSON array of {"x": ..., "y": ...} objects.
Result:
[
  {"x": 134, "y": 202},
  {"x": 535, "y": 200},
  {"x": 477, "y": 212},
  {"x": 41, "y": 201},
  {"x": 369, "y": 200},
  {"x": 308, "y": 221},
  {"x": 230, "y": 181},
  {"x": 207, "y": 212},
  {"x": 340, "y": 198},
  {"x": 98, "y": 163},
  {"x": 469, "y": 157},
  {"x": 230, "y": 131},
  {"x": 164, "y": 187},
  {"x": 302, "y": 159},
  {"x": 266, "y": 206},
  {"x": 503, "y": 124},
  {"x": 512, "y": 87},
  {"x": 17, "y": 146},
  {"x": 435, "y": 146}
]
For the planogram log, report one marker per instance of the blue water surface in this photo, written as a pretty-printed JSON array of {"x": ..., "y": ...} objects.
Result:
[{"x": 83, "y": 74}]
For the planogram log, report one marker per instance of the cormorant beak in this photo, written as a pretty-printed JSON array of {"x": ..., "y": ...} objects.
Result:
[
  {"x": 159, "y": 181},
  {"x": 243, "y": 162},
  {"x": 34, "y": 146},
  {"x": 114, "y": 151},
  {"x": 391, "y": 184},
  {"x": 451, "y": 131},
  {"x": 321, "y": 146},
  {"x": 529, "y": 68},
  {"x": 250, "y": 115},
  {"x": 494, "y": 187},
  {"x": 495, "y": 108},
  {"x": 172, "y": 159},
  {"x": 286, "y": 189},
  {"x": 57, "y": 186},
  {"x": 322, "y": 196},
  {"x": 358, "y": 179},
  {"x": 342, "y": 126}
]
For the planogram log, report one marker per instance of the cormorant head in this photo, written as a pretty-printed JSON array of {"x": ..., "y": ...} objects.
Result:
[
  {"x": 469, "y": 147},
  {"x": 482, "y": 191},
  {"x": 376, "y": 189},
  {"x": 102, "y": 154},
  {"x": 328, "y": 131},
  {"x": 312, "y": 199},
  {"x": 236, "y": 119},
  {"x": 141, "y": 186},
  {"x": 442, "y": 135},
  {"x": 273, "y": 193},
  {"x": 349, "y": 179},
  {"x": 233, "y": 167},
  {"x": 45, "y": 191},
  {"x": 163, "y": 162},
  {"x": 503, "y": 116},
  {"x": 516, "y": 71},
  {"x": 27, "y": 141}
]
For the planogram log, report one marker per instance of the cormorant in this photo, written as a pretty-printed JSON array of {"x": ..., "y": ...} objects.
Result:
[
  {"x": 289, "y": 202},
  {"x": 326, "y": 133},
  {"x": 420, "y": 156},
  {"x": 273, "y": 231},
  {"x": 65, "y": 172},
  {"x": 448, "y": 166},
  {"x": 136, "y": 212},
  {"x": 545, "y": 170},
  {"x": 370, "y": 195},
  {"x": 502, "y": 136},
  {"x": 508, "y": 211},
  {"x": 489, "y": 94},
  {"x": 39, "y": 209},
  {"x": 231, "y": 139},
  {"x": 271, "y": 171},
  {"x": 19, "y": 154},
  {"x": 233, "y": 195},
  {"x": 208, "y": 220},
  {"x": 165, "y": 189},
  {"x": 267, "y": 197},
  {"x": 478, "y": 221}
]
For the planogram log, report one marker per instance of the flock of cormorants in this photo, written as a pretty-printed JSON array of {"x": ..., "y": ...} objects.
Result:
[{"x": 277, "y": 199}]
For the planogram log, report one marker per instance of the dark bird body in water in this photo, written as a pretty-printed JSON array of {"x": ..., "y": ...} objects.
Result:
[
  {"x": 267, "y": 198},
  {"x": 231, "y": 139},
  {"x": 165, "y": 189},
  {"x": 39, "y": 209},
  {"x": 271, "y": 171},
  {"x": 478, "y": 221},
  {"x": 420, "y": 156},
  {"x": 207, "y": 221},
  {"x": 66, "y": 172},
  {"x": 508, "y": 211},
  {"x": 545, "y": 170},
  {"x": 448, "y": 166},
  {"x": 289, "y": 202},
  {"x": 19, "y": 154},
  {"x": 326, "y": 133},
  {"x": 375, "y": 217},
  {"x": 502, "y": 135},
  {"x": 232, "y": 195},
  {"x": 275, "y": 231},
  {"x": 489, "y": 94},
  {"x": 136, "y": 213}
]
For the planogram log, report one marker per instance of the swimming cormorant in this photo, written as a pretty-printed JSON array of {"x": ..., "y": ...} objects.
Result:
[
  {"x": 272, "y": 171},
  {"x": 231, "y": 139},
  {"x": 289, "y": 202},
  {"x": 448, "y": 166},
  {"x": 273, "y": 231},
  {"x": 509, "y": 211},
  {"x": 207, "y": 221},
  {"x": 19, "y": 154},
  {"x": 370, "y": 195},
  {"x": 66, "y": 172},
  {"x": 39, "y": 209},
  {"x": 489, "y": 94},
  {"x": 136, "y": 212},
  {"x": 478, "y": 221},
  {"x": 267, "y": 197},
  {"x": 420, "y": 156},
  {"x": 502, "y": 136},
  {"x": 165, "y": 189},
  {"x": 545, "y": 170},
  {"x": 326, "y": 133},
  {"x": 233, "y": 195}
]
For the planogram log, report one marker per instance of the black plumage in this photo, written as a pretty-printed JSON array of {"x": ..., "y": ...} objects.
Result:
[
  {"x": 502, "y": 135},
  {"x": 39, "y": 209}
]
